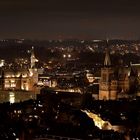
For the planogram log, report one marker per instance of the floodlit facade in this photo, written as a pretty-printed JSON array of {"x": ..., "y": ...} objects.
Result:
[
  {"x": 20, "y": 79},
  {"x": 115, "y": 81}
]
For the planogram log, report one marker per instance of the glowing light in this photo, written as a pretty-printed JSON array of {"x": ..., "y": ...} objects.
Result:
[
  {"x": 7, "y": 76},
  {"x": 50, "y": 62},
  {"x": 35, "y": 116},
  {"x": 69, "y": 55},
  {"x": 40, "y": 83},
  {"x": 27, "y": 88},
  {"x": 19, "y": 112},
  {"x": 91, "y": 49},
  {"x": 13, "y": 85},
  {"x": 64, "y": 55},
  {"x": 11, "y": 97},
  {"x": 31, "y": 74},
  {"x": 17, "y": 75},
  {"x": 12, "y": 75},
  {"x": 96, "y": 40},
  {"x": 36, "y": 60},
  {"x": 101, "y": 124},
  {"x": 7, "y": 85},
  {"x": 13, "y": 80},
  {"x": 24, "y": 75},
  {"x": 2, "y": 63}
]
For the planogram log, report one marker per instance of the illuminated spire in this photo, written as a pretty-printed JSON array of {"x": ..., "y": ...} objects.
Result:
[
  {"x": 33, "y": 59},
  {"x": 32, "y": 52},
  {"x": 107, "y": 61},
  {"x": 107, "y": 41}
]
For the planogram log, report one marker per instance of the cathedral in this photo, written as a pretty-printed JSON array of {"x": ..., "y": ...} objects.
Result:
[
  {"x": 116, "y": 81},
  {"x": 20, "y": 79}
]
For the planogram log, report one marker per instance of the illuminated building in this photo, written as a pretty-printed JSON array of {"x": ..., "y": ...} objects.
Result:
[
  {"x": 46, "y": 80},
  {"x": 22, "y": 62},
  {"x": 20, "y": 79},
  {"x": 33, "y": 58},
  {"x": 116, "y": 81},
  {"x": 108, "y": 86},
  {"x": 17, "y": 80},
  {"x": 93, "y": 78},
  {"x": 2, "y": 62}
]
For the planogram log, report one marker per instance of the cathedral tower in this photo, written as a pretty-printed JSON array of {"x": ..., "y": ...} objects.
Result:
[
  {"x": 33, "y": 59},
  {"x": 33, "y": 70},
  {"x": 108, "y": 82}
]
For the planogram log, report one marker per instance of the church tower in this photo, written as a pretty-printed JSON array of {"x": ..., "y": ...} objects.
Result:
[
  {"x": 108, "y": 81},
  {"x": 33, "y": 70},
  {"x": 33, "y": 59}
]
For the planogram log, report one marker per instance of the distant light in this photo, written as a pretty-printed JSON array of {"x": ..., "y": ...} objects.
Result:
[
  {"x": 36, "y": 60},
  {"x": 97, "y": 40},
  {"x": 40, "y": 105},
  {"x": 19, "y": 41},
  {"x": 11, "y": 97},
  {"x": 24, "y": 75},
  {"x": 35, "y": 116},
  {"x": 69, "y": 55},
  {"x": 31, "y": 74},
  {"x": 64, "y": 55},
  {"x": 50, "y": 62}
]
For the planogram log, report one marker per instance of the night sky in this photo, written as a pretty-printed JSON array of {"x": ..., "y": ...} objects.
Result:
[{"x": 59, "y": 19}]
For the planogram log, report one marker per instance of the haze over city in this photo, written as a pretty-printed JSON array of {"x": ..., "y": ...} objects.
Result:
[
  {"x": 69, "y": 69},
  {"x": 82, "y": 19}
]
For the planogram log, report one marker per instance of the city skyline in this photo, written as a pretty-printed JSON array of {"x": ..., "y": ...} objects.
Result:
[{"x": 61, "y": 19}]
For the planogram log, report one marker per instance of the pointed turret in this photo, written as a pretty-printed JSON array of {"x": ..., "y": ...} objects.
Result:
[
  {"x": 107, "y": 61},
  {"x": 33, "y": 59}
]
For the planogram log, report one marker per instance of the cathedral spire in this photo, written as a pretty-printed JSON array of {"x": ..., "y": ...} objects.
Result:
[
  {"x": 33, "y": 59},
  {"x": 107, "y": 61}
]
